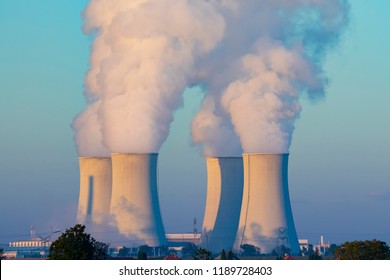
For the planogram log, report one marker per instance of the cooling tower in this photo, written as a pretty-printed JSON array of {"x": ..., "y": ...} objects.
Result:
[
  {"x": 266, "y": 219},
  {"x": 223, "y": 203},
  {"x": 134, "y": 200},
  {"x": 95, "y": 190}
]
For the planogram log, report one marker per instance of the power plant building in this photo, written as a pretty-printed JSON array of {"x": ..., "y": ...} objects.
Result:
[{"x": 266, "y": 219}]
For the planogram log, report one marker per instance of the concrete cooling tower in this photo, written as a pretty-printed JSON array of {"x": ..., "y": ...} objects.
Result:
[
  {"x": 134, "y": 200},
  {"x": 223, "y": 202},
  {"x": 266, "y": 219},
  {"x": 95, "y": 190}
]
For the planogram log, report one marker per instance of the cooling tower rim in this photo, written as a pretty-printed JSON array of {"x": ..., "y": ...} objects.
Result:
[
  {"x": 265, "y": 154},
  {"x": 223, "y": 157},
  {"x": 97, "y": 157},
  {"x": 134, "y": 154}
]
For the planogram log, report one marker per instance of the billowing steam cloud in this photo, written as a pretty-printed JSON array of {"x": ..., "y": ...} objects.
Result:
[
  {"x": 88, "y": 134},
  {"x": 272, "y": 52},
  {"x": 141, "y": 61},
  {"x": 254, "y": 58}
]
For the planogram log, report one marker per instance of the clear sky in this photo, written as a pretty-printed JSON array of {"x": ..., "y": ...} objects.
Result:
[{"x": 339, "y": 174}]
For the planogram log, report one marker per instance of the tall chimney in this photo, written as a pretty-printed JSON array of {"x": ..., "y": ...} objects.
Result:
[
  {"x": 95, "y": 190},
  {"x": 223, "y": 202},
  {"x": 134, "y": 200},
  {"x": 266, "y": 219}
]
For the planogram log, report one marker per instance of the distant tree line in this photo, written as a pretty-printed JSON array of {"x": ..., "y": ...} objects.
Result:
[
  {"x": 76, "y": 244},
  {"x": 363, "y": 250}
]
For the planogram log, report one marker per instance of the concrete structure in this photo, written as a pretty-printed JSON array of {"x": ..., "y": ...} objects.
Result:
[
  {"x": 134, "y": 200},
  {"x": 95, "y": 190},
  {"x": 183, "y": 238},
  {"x": 36, "y": 247},
  {"x": 223, "y": 202},
  {"x": 323, "y": 247},
  {"x": 303, "y": 244},
  {"x": 266, "y": 219}
]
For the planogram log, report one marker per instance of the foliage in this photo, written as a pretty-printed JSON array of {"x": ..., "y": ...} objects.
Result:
[
  {"x": 315, "y": 255},
  {"x": 124, "y": 252},
  {"x": 363, "y": 250},
  {"x": 223, "y": 255},
  {"x": 100, "y": 250},
  {"x": 1, "y": 254},
  {"x": 330, "y": 251},
  {"x": 202, "y": 254},
  {"x": 141, "y": 255},
  {"x": 230, "y": 255},
  {"x": 310, "y": 250},
  {"x": 149, "y": 251},
  {"x": 189, "y": 250},
  {"x": 75, "y": 244},
  {"x": 165, "y": 251},
  {"x": 281, "y": 251},
  {"x": 250, "y": 250}
]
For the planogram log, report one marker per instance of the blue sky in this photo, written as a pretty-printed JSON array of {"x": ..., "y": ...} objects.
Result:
[{"x": 339, "y": 158}]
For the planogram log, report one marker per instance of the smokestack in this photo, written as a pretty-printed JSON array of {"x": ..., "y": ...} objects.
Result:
[
  {"x": 266, "y": 219},
  {"x": 95, "y": 190},
  {"x": 223, "y": 202},
  {"x": 134, "y": 201}
]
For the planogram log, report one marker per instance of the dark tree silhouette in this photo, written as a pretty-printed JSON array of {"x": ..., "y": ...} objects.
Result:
[
  {"x": 315, "y": 255},
  {"x": 75, "y": 244},
  {"x": 223, "y": 255},
  {"x": 363, "y": 250},
  {"x": 250, "y": 250},
  {"x": 231, "y": 256},
  {"x": 202, "y": 254},
  {"x": 189, "y": 250},
  {"x": 141, "y": 255}
]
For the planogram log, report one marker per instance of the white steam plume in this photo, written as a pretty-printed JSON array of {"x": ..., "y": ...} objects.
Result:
[
  {"x": 87, "y": 133},
  {"x": 142, "y": 58},
  {"x": 272, "y": 52}
]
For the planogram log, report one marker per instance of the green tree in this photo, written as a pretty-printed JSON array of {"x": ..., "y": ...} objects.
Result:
[
  {"x": 363, "y": 250},
  {"x": 202, "y": 254},
  {"x": 75, "y": 244},
  {"x": 2, "y": 254}
]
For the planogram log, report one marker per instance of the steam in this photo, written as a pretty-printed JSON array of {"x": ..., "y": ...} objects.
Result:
[
  {"x": 254, "y": 58},
  {"x": 88, "y": 134},
  {"x": 271, "y": 54},
  {"x": 142, "y": 58}
]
